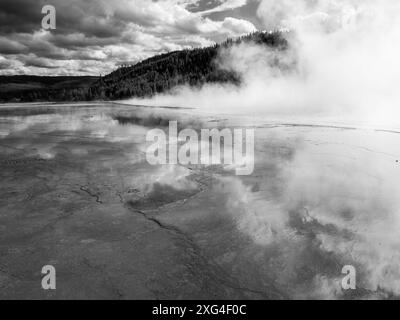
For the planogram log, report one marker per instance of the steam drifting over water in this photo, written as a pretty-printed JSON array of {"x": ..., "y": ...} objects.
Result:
[
  {"x": 342, "y": 65},
  {"x": 322, "y": 193}
]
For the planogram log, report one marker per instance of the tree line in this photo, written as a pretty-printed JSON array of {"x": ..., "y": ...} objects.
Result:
[{"x": 158, "y": 74}]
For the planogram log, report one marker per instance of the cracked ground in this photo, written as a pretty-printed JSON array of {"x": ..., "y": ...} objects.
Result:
[{"x": 77, "y": 193}]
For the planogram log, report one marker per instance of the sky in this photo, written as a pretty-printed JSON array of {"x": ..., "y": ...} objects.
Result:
[{"x": 93, "y": 37}]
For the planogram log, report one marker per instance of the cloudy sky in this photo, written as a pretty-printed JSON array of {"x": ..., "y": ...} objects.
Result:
[{"x": 94, "y": 36}]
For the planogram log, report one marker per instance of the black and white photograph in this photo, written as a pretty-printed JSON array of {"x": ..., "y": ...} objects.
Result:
[{"x": 199, "y": 150}]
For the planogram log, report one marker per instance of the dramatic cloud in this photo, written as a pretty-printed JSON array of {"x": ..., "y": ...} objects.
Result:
[{"x": 113, "y": 32}]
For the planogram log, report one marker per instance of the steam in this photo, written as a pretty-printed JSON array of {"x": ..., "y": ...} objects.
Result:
[
  {"x": 342, "y": 65},
  {"x": 335, "y": 194},
  {"x": 332, "y": 196}
]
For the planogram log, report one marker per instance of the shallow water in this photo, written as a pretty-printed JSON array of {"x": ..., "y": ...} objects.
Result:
[{"x": 78, "y": 193}]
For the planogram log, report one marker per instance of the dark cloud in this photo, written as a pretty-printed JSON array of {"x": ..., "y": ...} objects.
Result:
[
  {"x": 110, "y": 32},
  {"x": 202, "y": 5},
  {"x": 8, "y": 46},
  {"x": 79, "y": 40},
  {"x": 20, "y": 16},
  {"x": 5, "y": 64},
  {"x": 41, "y": 63}
]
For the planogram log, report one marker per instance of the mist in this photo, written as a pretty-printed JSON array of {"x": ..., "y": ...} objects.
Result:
[
  {"x": 341, "y": 66},
  {"x": 329, "y": 200}
]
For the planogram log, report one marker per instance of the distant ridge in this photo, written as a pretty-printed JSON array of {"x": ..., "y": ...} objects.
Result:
[{"x": 29, "y": 88}]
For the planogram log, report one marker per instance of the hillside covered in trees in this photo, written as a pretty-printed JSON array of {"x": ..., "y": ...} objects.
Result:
[
  {"x": 158, "y": 74},
  {"x": 27, "y": 88}
]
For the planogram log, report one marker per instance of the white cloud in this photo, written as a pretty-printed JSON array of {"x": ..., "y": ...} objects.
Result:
[
  {"x": 120, "y": 31},
  {"x": 226, "y": 5}
]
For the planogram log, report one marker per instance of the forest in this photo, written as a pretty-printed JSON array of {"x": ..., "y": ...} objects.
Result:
[{"x": 157, "y": 74}]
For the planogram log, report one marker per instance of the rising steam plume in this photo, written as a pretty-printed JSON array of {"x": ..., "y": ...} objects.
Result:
[{"x": 342, "y": 65}]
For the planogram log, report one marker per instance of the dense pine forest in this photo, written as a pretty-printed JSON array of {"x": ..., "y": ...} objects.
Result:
[
  {"x": 27, "y": 88},
  {"x": 158, "y": 74}
]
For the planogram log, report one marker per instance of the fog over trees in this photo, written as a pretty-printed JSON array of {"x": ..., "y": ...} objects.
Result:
[{"x": 158, "y": 74}]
